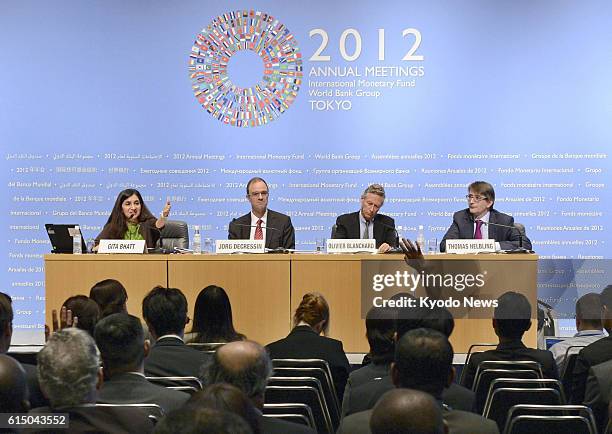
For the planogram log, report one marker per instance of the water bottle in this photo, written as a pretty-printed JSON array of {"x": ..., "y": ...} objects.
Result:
[
  {"x": 421, "y": 238},
  {"x": 197, "y": 241},
  {"x": 77, "y": 249}
]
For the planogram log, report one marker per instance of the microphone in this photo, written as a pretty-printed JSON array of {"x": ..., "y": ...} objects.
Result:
[{"x": 520, "y": 249}]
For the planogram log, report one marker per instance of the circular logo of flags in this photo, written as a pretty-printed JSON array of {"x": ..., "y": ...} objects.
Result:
[{"x": 219, "y": 41}]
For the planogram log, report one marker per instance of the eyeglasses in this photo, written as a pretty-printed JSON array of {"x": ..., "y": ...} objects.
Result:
[
  {"x": 257, "y": 193},
  {"x": 475, "y": 197}
]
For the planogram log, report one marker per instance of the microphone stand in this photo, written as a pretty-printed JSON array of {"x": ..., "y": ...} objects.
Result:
[{"x": 520, "y": 249}]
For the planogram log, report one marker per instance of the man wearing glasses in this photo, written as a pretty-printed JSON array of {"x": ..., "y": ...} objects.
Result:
[
  {"x": 473, "y": 222},
  {"x": 262, "y": 223}
]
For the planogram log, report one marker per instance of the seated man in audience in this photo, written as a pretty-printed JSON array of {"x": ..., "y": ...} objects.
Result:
[
  {"x": 424, "y": 362},
  {"x": 365, "y": 395},
  {"x": 511, "y": 319},
  {"x": 588, "y": 324},
  {"x": 70, "y": 374},
  {"x": 598, "y": 352},
  {"x": 123, "y": 349},
  {"x": 165, "y": 313},
  {"x": 36, "y": 397},
  {"x": 13, "y": 386},
  {"x": 407, "y": 411},
  {"x": 246, "y": 365},
  {"x": 188, "y": 420},
  {"x": 597, "y": 392}
]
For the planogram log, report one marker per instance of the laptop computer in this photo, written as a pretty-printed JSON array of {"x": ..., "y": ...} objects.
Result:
[{"x": 61, "y": 240}]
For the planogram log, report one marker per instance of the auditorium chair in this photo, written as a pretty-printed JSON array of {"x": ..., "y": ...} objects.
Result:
[
  {"x": 283, "y": 410},
  {"x": 553, "y": 424},
  {"x": 206, "y": 347},
  {"x": 506, "y": 397},
  {"x": 153, "y": 411},
  {"x": 550, "y": 410},
  {"x": 469, "y": 356},
  {"x": 172, "y": 382},
  {"x": 568, "y": 369},
  {"x": 308, "y": 395},
  {"x": 175, "y": 233},
  {"x": 482, "y": 385},
  {"x": 507, "y": 364}
]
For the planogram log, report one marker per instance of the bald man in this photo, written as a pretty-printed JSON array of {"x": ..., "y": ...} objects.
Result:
[
  {"x": 13, "y": 386},
  {"x": 407, "y": 411}
]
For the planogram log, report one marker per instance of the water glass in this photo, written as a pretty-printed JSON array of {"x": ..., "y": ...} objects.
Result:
[
  {"x": 432, "y": 246},
  {"x": 320, "y": 245},
  {"x": 208, "y": 245}
]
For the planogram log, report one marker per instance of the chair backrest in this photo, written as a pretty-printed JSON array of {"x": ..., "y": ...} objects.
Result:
[
  {"x": 207, "y": 347},
  {"x": 307, "y": 363},
  {"x": 334, "y": 229},
  {"x": 551, "y": 410},
  {"x": 328, "y": 386},
  {"x": 553, "y": 424},
  {"x": 172, "y": 382},
  {"x": 527, "y": 383},
  {"x": 306, "y": 395},
  {"x": 568, "y": 370},
  {"x": 506, "y": 364},
  {"x": 187, "y": 389},
  {"x": 486, "y": 376},
  {"x": 300, "y": 419},
  {"x": 153, "y": 411},
  {"x": 469, "y": 355},
  {"x": 175, "y": 233},
  {"x": 505, "y": 398},
  {"x": 291, "y": 408}
]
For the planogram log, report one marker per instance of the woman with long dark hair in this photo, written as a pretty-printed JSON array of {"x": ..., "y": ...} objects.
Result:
[
  {"x": 110, "y": 295},
  {"x": 212, "y": 318},
  {"x": 130, "y": 219}
]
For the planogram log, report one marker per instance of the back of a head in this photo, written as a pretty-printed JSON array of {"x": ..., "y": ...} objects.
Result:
[
  {"x": 86, "y": 310},
  {"x": 606, "y": 297},
  {"x": 244, "y": 364},
  {"x": 68, "y": 368},
  {"x": 6, "y": 321},
  {"x": 13, "y": 386},
  {"x": 225, "y": 397},
  {"x": 212, "y": 317},
  {"x": 312, "y": 310},
  {"x": 589, "y": 309},
  {"x": 512, "y": 315},
  {"x": 423, "y": 361},
  {"x": 120, "y": 339},
  {"x": 380, "y": 330},
  {"x": 407, "y": 411},
  {"x": 440, "y": 319},
  {"x": 165, "y": 310},
  {"x": 189, "y": 420},
  {"x": 110, "y": 295}
]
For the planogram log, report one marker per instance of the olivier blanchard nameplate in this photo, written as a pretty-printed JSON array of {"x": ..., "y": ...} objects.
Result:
[
  {"x": 351, "y": 245},
  {"x": 240, "y": 246},
  {"x": 470, "y": 246},
  {"x": 121, "y": 246}
]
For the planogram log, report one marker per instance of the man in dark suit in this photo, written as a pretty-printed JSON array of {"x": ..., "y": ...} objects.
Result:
[
  {"x": 123, "y": 349},
  {"x": 262, "y": 223},
  {"x": 70, "y": 374},
  {"x": 246, "y": 365},
  {"x": 473, "y": 222},
  {"x": 165, "y": 313},
  {"x": 597, "y": 392},
  {"x": 407, "y": 411},
  {"x": 13, "y": 386},
  {"x": 598, "y": 352},
  {"x": 367, "y": 223},
  {"x": 511, "y": 319},
  {"x": 424, "y": 362}
]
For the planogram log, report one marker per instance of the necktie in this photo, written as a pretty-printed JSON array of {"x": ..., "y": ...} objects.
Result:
[
  {"x": 478, "y": 232},
  {"x": 258, "y": 230},
  {"x": 366, "y": 232}
]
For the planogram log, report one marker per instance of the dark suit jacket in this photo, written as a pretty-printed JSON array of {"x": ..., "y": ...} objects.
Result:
[
  {"x": 597, "y": 393},
  {"x": 279, "y": 232},
  {"x": 36, "y": 398},
  {"x": 463, "y": 228},
  {"x": 304, "y": 343},
  {"x": 459, "y": 422},
  {"x": 347, "y": 226},
  {"x": 131, "y": 388},
  {"x": 90, "y": 419},
  {"x": 171, "y": 357},
  {"x": 515, "y": 350},
  {"x": 148, "y": 230},
  {"x": 591, "y": 355},
  {"x": 270, "y": 425}
]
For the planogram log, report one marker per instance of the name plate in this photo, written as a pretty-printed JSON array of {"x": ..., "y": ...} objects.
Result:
[
  {"x": 121, "y": 246},
  {"x": 240, "y": 246},
  {"x": 470, "y": 246},
  {"x": 351, "y": 245}
]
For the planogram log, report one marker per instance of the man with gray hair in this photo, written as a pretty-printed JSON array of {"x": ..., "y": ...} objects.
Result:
[
  {"x": 69, "y": 373},
  {"x": 246, "y": 365},
  {"x": 367, "y": 223}
]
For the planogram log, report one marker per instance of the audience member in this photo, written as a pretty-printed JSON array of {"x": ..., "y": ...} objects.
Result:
[
  {"x": 598, "y": 352},
  {"x": 225, "y": 397},
  {"x": 123, "y": 349},
  {"x": 423, "y": 361},
  {"x": 188, "y": 420},
  {"x": 69, "y": 373},
  {"x": 111, "y": 297},
  {"x": 407, "y": 411},
  {"x": 511, "y": 319},
  {"x": 212, "y": 318},
  {"x": 311, "y": 318},
  {"x": 85, "y": 309},
  {"x": 165, "y": 312},
  {"x": 13, "y": 386},
  {"x": 588, "y": 324},
  {"x": 246, "y": 365}
]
